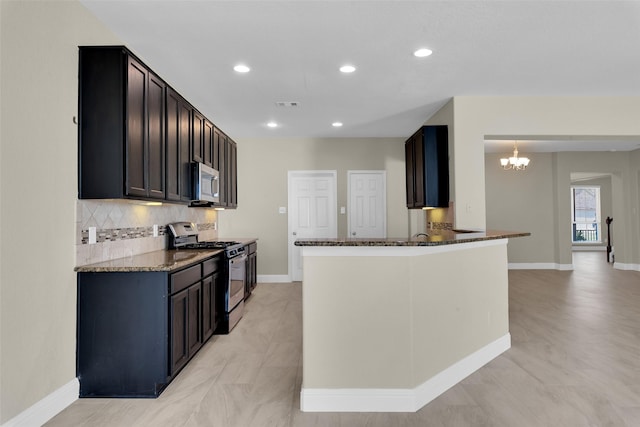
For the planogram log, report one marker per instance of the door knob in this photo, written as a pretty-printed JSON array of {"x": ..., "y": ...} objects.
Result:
[{"x": 353, "y": 233}]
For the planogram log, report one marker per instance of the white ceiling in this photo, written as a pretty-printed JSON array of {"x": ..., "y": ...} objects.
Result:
[{"x": 294, "y": 49}]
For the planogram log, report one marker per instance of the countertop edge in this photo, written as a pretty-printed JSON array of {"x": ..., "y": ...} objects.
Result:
[{"x": 447, "y": 238}]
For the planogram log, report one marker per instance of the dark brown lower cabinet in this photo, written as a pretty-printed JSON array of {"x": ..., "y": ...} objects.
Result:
[
  {"x": 251, "y": 278},
  {"x": 179, "y": 325},
  {"x": 137, "y": 330},
  {"x": 209, "y": 313},
  {"x": 195, "y": 318}
]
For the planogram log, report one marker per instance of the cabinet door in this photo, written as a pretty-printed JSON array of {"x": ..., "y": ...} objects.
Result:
[
  {"x": 254, "y": 269},
  {"x": 208, "y": 143},
  {"x": 418, "y": 166},
  {"x": 232, "y": 179},
  {"x": 208, "y": 307},
  {"x": 251, "y": 272},
  {"x": 179, "y": 330},
  {"x": 194, "y": 338},
  {"x": 156, "y": 123},
  {"x": 136, "y": 129},
  {"x": 173, "y": 146},
  {"x": 222, "y": 159},
  {"x": 184, "y": 129},
  {"x": 215, "y": 149},
  {"x": 197, "y": 149},
  {"x": 410, "y": 172}
]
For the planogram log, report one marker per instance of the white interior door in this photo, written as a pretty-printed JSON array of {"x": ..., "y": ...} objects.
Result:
[
  {"x": 312, "y": 211},
  {"x": 367, "y": 204}
]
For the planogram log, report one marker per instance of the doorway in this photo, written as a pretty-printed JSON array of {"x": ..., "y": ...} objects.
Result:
[
  {"x": 312, "y": 212},
  {"x": 367, "y": 197}
]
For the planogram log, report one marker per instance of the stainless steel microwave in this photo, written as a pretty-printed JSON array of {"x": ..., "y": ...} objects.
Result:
[{"x": 206, "y": 185}]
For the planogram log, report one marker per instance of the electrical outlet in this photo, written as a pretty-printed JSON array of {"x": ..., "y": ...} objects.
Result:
[
  {"x": 282, "y": 210},
  {"x": 343, "y": 210},
  {"x": 93, "y": 238},
  {"x": 215, "y": 226},
  {"x": 155, "y": 230}
]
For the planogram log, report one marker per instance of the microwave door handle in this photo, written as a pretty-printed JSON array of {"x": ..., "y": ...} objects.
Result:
[{"x": 215, "y": 185}]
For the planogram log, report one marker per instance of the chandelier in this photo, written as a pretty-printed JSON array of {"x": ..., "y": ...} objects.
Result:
[{"x": 514, "y": 163}]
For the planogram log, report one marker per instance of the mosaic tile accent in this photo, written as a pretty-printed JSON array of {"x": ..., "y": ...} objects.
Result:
[
  {"x": 113, "y": 234},
  {"x": 125, "y": 228},
  {"x": 432, "y": 225}
]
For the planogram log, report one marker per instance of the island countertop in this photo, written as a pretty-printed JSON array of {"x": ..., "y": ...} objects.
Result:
[{"x": 432, "y": 238}]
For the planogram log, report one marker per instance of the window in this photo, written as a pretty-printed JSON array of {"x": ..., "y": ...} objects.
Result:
[{"x": 585, "y": 214}]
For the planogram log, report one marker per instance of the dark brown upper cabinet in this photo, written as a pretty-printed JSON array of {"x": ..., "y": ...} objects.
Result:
[
  {"x": 178, "y": 147},
  {"x": 427, "y": 167},
  {"x": 137, "y": 137},
  {"x": 121, "y": 133},
  {"x": 197, "y": 147},
  {"x": 208, "y": 143}
]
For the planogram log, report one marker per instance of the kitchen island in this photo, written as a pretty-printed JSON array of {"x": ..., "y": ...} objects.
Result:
[{"x": 390, "y": 324}]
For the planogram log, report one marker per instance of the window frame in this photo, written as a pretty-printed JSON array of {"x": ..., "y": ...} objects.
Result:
[{"x": 598, "y": 213}]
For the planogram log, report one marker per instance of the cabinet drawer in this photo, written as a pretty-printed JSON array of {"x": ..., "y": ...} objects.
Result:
[
  {"x": 252, "y": 248},
  {"x": 184, "y": 278},
  {"x": 212, "y": 265}
]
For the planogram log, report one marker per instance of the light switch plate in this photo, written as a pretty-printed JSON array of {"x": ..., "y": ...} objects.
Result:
[
  {"x": 343, "y": 210},
  {"x": 155, "y": 230},
  {"x": 282, "y": 210},
  {"x": 92, "y": 235}
]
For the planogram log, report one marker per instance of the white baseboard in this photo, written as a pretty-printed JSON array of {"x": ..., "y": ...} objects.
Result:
[
  {"x": 623, "y": 266},
  {"x": 539, "y": 266},
  {"x": 274, "y": 278},
  {"x": 48, "y": 407},
  {"x": 401, "y": 400}
]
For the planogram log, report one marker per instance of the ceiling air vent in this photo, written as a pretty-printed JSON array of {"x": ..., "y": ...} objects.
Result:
[{"x": 287, "y": 104}]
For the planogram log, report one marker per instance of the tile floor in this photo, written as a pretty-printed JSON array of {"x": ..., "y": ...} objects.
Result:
[{"x": 574, "y": 361}]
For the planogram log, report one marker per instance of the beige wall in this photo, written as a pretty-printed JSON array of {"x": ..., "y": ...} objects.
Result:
[
  {"x": 476, "y": 117},
  {"x": 523, "y": 201},
  {"x": 437, "y": 314},
  {"x": 537, "y": 200},
  {"x": 262, "y": 187},
  {"x": 38, "y": 144},
  {"x": 623, "y": 199}
]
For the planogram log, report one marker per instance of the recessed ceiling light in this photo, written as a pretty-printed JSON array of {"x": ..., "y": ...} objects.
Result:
[
  {"x": 240, "y": 68},
  {"x": 347, "y": 68},
  {"x": 421, "y": 53},
  {"x": 272, "y": 124},
  {"x": 336, "y": 124}
]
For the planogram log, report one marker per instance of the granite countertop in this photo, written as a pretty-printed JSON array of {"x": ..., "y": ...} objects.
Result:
[
  {"x": 433, "y": 238},
  {"x": 167, "y": 260}
]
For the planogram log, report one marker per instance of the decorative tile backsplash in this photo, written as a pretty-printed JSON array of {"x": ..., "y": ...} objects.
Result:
[
  {"x": 440, "y": 218},
  {"x": 125, "y": 228}
]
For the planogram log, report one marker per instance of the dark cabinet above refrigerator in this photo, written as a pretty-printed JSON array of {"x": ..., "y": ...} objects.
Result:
[{"x": 427, "y": 168}]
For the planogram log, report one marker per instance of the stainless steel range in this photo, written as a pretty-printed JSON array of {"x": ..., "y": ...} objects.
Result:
[{"x": 184, "y": 235}]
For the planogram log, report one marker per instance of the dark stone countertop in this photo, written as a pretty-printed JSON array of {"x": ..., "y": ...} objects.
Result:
[
  {"x": 168, "y": 260},
  {"x": 434, "y": 238},
  {"x": 165, "y": 260}
]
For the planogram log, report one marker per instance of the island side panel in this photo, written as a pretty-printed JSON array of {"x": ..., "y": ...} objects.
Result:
[
  {"x": 459, "y": 305},
  {"x": 356, "y": 322}
]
